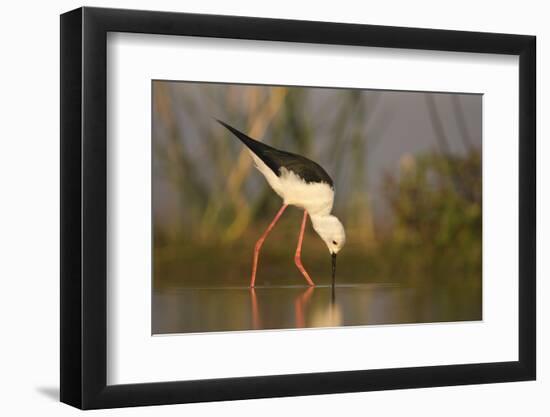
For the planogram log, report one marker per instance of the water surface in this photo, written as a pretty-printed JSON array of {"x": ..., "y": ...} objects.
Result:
[{"x": 209, "y": 309}]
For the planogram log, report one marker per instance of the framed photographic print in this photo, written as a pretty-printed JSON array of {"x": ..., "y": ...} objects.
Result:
[{"x": 258, "y": 208}]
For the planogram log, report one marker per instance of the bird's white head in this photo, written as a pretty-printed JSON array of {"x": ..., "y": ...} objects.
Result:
[{"x": 331, "y": 230}]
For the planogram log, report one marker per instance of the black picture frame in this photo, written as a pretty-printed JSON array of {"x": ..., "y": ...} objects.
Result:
[{"x": 84, "y": 207}]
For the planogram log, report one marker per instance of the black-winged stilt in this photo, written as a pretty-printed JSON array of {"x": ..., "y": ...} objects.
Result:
[{"x": 299, "y": 182}]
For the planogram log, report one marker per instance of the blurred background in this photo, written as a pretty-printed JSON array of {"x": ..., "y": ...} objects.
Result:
[{"x": 407, "y": 173}]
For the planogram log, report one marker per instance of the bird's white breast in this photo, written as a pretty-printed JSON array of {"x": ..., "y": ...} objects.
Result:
[{"x": 316, "y": 198}]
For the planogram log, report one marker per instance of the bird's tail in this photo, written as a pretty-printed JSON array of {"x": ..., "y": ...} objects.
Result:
[{"x": 252, "y": 144}]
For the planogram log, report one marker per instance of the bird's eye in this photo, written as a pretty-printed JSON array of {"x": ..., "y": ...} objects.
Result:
[{"x": 334, "y": 242}]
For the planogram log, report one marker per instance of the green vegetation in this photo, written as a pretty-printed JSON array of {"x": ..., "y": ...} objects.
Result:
[{"x": 436, "y": 206}]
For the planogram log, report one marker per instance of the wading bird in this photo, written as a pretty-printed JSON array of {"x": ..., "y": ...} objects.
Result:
[{"x": 302, "y": 183}]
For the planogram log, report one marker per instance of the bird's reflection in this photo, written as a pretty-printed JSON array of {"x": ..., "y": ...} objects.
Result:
[
  {"x": 306, "y": 313},
  {"x": 330, "y": 316},
  {"x": 256, "y": 322},
  {"x": 300, "y": 306}
]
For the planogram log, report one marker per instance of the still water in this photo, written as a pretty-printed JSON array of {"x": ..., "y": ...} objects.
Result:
[{"x": 192, "y": 310}]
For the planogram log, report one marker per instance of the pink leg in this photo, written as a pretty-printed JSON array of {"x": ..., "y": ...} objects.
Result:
[
  {"x": 298, "y": 255},
  {"x": 260, "y": 242}
]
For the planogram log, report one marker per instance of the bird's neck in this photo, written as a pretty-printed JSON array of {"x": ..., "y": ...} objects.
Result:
[
  {"x": 318, "y": 221},
  {"x": 318, "y": 217}
]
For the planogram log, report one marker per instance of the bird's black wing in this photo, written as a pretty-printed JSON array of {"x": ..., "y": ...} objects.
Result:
[
  {"x": 305, "y": 168},
  {"x": 275, "y": 159}
]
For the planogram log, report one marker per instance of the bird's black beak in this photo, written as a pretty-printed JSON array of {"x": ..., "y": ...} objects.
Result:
[{"x": 333, "y": 269}]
